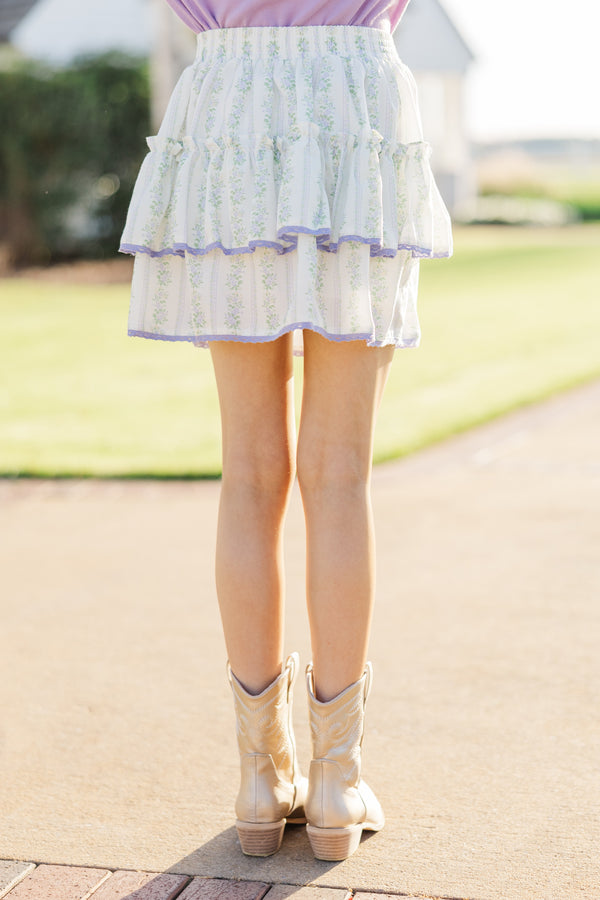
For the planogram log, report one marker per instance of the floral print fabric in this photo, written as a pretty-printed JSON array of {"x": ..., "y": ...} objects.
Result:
[{"x": 288, "y": 187}]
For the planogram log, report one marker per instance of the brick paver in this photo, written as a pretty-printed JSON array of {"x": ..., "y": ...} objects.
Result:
[
  {"x": 58, "y": 883},
  {"x": 26, "y": 881},
  {"x": 123, "y": 885},
  {"x": 11, "y": 872},
  {"x": 364, "y": 895},
  {"x": 221, "y": 889},
  {"x": 283, "y": 891}
]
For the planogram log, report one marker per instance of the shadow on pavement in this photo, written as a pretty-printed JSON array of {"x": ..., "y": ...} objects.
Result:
[{"x": 218, "y": 868}]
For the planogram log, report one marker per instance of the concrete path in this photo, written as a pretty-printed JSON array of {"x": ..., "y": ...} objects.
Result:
[{"x": 117, "y": 744}]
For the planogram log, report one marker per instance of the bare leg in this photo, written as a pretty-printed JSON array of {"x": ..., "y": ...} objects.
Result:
[
  {"x": 343, "y": 385},
  {"x": 255, "y": 387}
]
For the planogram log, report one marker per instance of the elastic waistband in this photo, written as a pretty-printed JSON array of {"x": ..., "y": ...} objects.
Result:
[{"x": 285, "y": 41}]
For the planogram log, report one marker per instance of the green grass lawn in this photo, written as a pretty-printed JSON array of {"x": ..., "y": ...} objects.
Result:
[{"x": 512, "y": 318}]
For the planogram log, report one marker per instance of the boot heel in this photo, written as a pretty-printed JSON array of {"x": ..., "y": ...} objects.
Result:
[
  {"x": 259, "y": 839},
  {"x": 272, "y": 790},
  {"x": 334, "y": 843}
]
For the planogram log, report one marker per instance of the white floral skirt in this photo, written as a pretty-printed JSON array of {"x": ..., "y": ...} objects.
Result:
[{"x": 288, "y": 187}]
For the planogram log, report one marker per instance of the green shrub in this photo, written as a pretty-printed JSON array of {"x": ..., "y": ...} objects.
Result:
[
  {"x": 69, "y": 155},
  {"x": 582, "y": 199}
]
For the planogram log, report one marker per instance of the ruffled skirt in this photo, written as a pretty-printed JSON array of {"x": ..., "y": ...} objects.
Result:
[{"x": 288, "y": 187}]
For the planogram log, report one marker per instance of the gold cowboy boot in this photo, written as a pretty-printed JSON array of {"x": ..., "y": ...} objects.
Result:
[
  {"x": 339, "y": 804},
  {"x": 272, "y": 790}
]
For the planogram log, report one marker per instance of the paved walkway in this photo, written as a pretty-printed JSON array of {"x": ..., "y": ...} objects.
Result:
[
  {"x": 117, "y": 744},
  {"x": 26, "y": 881}
]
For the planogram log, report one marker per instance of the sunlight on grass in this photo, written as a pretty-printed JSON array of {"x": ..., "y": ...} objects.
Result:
[
  {"x": 85, "y": 398},
  {"x": 511, "y": 318}
]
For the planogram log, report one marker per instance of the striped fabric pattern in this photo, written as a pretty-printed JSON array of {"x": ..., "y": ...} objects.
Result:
[{"x": 289, "y": 186}]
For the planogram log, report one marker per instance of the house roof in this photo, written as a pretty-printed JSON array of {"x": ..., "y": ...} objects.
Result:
[
  {"x": 11, "y": 13},
  {"x": 427, "y": 39}
]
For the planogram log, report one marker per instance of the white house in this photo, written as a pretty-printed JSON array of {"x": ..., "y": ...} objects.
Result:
[
  {"x": 426, "y": 39},
  {"x": 429, "y": 43},
  {"x": 11, "y": 13}
]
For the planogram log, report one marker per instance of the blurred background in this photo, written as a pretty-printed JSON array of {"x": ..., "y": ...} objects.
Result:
[{"x": 509, "y": 104}]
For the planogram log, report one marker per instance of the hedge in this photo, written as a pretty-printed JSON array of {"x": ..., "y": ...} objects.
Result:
[{"x": 69, "y": 155}]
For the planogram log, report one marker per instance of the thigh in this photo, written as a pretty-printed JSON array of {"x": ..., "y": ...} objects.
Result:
[
  {"x": 343, "y": 387},
  {"x": 255, "y": 388}
]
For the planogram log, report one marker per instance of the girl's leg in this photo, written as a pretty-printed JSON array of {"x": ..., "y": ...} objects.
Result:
[
  {"x": 255, "y": 388},
  {"x": 343, "y": 385}
]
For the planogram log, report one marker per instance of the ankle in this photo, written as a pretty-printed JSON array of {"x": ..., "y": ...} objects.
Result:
[
  {"x": 329, "y": 685},
  {"x": 255, "y": 683}
]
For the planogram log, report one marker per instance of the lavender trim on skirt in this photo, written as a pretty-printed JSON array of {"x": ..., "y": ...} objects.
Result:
[{"x": 288, "y": 187}]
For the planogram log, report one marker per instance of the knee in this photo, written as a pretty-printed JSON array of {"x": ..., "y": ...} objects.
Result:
[
  {"x": 334, "y": 469},
  {"x": 264, "y": 475}
]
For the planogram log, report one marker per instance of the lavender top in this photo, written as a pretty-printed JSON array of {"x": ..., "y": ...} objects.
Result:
[{"x": 201, "y": 15}]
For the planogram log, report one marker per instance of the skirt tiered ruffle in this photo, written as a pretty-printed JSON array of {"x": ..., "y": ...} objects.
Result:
[{"x": 289, "y": 186}]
